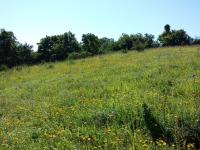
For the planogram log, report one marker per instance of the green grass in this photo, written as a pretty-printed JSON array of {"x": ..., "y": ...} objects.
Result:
[{"x": 134, "y": 100}]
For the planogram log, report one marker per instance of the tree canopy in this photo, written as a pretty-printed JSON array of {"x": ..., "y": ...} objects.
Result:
[{"x": 63, "y": 46}]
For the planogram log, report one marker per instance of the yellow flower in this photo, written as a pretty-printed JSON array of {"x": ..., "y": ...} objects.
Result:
[
  {"x": 51, "y": 136},
  {"x": 108, "y": 130},
  {"x": 190, "y": 145},
  {"x": 145, "y": 146},
  {"x": 164, "y": 143}
]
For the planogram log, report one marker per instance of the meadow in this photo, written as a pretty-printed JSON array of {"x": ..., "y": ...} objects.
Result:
[{"x": 134, "y": 100}]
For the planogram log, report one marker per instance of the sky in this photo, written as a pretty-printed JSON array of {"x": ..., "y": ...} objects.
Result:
[{"x": 31, "y": 20}]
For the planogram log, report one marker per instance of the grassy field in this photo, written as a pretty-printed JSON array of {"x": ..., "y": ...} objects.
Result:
[{"x": 134, "y": 100}]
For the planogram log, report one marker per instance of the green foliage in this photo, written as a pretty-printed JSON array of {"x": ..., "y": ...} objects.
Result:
[
  {"x": 90, "y": 43},
  {"x": 24, "y": 54},
  {"x": 140, "y": 47},
  {"x": 167, "y": 28},
  {"x": 125, "y": 42},
  {"x": 124, "y": 51},
  {"x": 58, "y": 47},
  {"x": 174, "y": 37},
  {"x": 13, "y": 53},
  {"x": 98, "y": 102},
  {"x": 136, "y": 41},
  {"x": 196, "y": 42},
  {"x": 3, "y": 68},
  {"x": 78, "y": 55},
  {"x": 156, "y": 129},
  {"x": 106, "y": 45},
  {"x": 63, "y": 46},
  {"x": 8, "y": 46}
]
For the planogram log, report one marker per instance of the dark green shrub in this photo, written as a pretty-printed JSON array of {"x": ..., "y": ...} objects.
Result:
[
  {"x": 78, "y": 55},
  {"x": 50, "y": 66},
  {"x": 18, "y": 68},
  {"x": 3, "y": 68},
  {"x": 125, "y": 51},
  {"x": 140, "y": 47}
]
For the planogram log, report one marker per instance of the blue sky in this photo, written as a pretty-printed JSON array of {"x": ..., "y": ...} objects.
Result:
[{"x": 30, "y": 20}]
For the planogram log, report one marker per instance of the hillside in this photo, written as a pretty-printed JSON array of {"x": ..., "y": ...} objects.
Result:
[{"x": 134, "y": 100}]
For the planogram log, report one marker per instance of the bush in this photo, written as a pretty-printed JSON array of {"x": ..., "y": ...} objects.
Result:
[
  {"x": 18, "y": 68},
  {"x": 76, "y": 55},
  {"x": 50, "y": 66},
  {"x": 124, "y": 50},
  {"x": 140, "y": 47},
  {"x": 3, "y": 68},
  {"x": 196, "y": 42}
]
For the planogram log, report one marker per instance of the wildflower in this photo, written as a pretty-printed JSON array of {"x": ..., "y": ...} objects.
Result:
[
  {"x": 5, "y": 143},
  {"x": 108, "y": 130},
  {"x": 190, "y": 145},
  {"x": 113, "y": 142},
  {"x": 164, "y": 143},
  {"x": 51, "y": 136},
  {"x": 83, "y": 138},
  {"x": 161, "y": 143},
  {"x": 145, "y": 146}
]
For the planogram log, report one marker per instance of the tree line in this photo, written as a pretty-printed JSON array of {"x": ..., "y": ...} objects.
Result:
[{"x": 61, "y": 47}]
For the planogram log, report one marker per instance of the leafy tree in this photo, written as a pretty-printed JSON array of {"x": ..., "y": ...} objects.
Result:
[
  {"x": 70, "y": 43},
  {"x": 24, "y": 54},
  {"x": 8, "y": 46},
  {"x": 91, "y": 43},
  {"x": 149, "y": 40},
  {"x": 125, "y": 42},
  {"x": 45, "y": 47},
  {"x": 174, "y": 37},
  {"x": 167, "y": 28},
  {"x": 136, "y": 41},
  {"x": 180, "y": 37},
  {"x": 196, "y": 42},
  {"x": 57, "y": 47},
  {"x": 106, "y": 45}
]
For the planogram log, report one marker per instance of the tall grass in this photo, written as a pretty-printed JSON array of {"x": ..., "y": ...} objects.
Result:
[{"x": 135, "y": 100}]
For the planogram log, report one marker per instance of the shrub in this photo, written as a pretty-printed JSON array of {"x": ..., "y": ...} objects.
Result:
[
  {"x": 76, "y": 55},
  {"x": 18, "y": 68},
  {"x": 140, "y": 47},
  {"x": 50, "y": 66},
  {"x": 196, "y": 42},
  {"x": 124, "y": 50},
  {"x": 3, "y": 68}
]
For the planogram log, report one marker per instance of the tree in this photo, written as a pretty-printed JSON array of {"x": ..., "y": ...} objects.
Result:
[
  {"x": 90, "y": 43},
  {"x": 70, "y": 44},
  {"x": 136, "y": 41},
  {"x": 45, "y": 47},
  {"x": 24, "y": 54},
  {"x": 125, "y": 41},
  {"x": 57, "y": 47},
  {"x": 106, "y": 45},
  {"x": 196, "y": 41},
  {"x": 167, "y": 28},
  {"x": 149, "y": 40},
  {"x": 8, "y": 46},
  {"x": 174, "y": 37}
]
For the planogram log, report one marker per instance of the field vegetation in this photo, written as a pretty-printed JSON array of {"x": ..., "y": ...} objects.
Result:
[{"x": 131, "y": 100}]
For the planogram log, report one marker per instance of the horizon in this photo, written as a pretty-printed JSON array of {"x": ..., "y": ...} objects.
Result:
[{"x": 34, "y": 20}]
